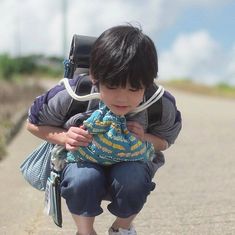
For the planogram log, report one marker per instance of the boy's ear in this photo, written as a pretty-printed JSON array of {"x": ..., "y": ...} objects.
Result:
[{"x": 93, "y": 80}]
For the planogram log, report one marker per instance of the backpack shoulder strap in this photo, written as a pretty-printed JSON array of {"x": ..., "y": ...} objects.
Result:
[
  {"x": 155, "y": 110},
  {"x": 83, "y": 87}
]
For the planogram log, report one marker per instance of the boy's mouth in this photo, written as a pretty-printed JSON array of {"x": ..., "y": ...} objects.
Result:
[{"x": 120, "y": 109}]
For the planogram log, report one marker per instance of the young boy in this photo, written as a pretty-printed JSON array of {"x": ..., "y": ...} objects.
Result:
[{"x": 123, "y": 65}]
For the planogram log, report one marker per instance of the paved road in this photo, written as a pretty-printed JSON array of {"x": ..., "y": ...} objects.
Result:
[{"x": 195, "y": 189}]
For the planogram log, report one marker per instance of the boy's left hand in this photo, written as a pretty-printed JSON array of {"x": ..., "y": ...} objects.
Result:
[{"x": 136, "y": 129}]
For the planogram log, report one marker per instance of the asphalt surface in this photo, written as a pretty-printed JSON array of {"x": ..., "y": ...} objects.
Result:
[{"x": 195, "y": 193}]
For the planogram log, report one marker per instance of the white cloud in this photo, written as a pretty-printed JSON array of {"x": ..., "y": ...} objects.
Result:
[
  {"x": 93, "y": 17},
  {"x": 36, "y": 25},
  {"x": 25, "y": 26},
  {"x": 204, "y": 3},
  {"x": 197, "y": 56}
]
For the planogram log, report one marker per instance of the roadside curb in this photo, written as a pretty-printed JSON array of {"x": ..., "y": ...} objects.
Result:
[{"x": 17, "y": 122}]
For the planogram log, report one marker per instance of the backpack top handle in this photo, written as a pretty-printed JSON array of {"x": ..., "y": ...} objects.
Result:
[{"x": 80, "y": 50}]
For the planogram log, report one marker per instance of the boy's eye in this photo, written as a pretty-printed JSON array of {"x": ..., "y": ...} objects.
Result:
[
  {"x": 134, "y": 89},
  {"x": 111, "y": 87}
]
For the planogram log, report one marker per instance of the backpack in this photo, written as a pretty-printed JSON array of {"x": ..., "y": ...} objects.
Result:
[{"x": 78, "y": 65}]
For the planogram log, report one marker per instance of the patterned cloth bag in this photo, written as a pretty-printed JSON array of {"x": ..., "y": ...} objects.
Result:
[
  {"x": 112, "y": 142},
  {"x": 36, "y": 167}
]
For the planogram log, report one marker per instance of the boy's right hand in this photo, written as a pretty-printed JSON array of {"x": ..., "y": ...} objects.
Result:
[{"x": 77, "y": 136}]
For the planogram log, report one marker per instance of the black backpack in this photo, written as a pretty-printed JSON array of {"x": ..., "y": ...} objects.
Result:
[{"x": 78, "y": 65}]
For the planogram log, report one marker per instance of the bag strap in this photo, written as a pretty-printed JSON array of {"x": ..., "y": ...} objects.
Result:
[
  {"x": 154, "y": 110},
  {"x": 154, "y": 98},
  {"x": 83, "y": 87}
]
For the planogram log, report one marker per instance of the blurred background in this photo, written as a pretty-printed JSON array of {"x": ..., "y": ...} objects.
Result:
[{"x": 195, "y": 40}]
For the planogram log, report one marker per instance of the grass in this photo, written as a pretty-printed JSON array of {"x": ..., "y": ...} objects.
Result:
[
  {"x": 219, "y": 90},
  {"x": 16, "y": 97}
]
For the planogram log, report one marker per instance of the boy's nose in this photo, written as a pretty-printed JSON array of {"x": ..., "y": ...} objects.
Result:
[{"x": 121, "y": 96}]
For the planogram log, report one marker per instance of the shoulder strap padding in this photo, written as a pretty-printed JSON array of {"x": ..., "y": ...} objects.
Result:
[
  {"x": 83, "y": 87},
  {"x": 155, "y": 110}
]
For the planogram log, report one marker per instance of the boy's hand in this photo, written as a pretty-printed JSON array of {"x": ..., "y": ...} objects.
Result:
[
  {"x": 77, "y": 136},
  {"x": 136, "y": 129}
]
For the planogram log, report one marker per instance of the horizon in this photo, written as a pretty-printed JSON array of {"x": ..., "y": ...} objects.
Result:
[{"x": 193, "y": 38}]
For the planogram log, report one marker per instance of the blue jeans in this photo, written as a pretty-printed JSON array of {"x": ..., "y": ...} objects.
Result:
[{"x": 84, "y": 185}]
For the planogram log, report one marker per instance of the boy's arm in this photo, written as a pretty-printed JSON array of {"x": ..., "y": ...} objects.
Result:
[
  {"x": 137, "y": 129},
  {"x": 52, "y": 134},
  {"x": 169, "y": 127},
  {"x": 158, "y": 143},
  {"x": 48, "y": 115},
  {"x": 71, "y": 139}
]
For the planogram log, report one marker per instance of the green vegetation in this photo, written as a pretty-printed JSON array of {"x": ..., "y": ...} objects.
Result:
[
  {"x": 221, "y": 89},
  {"x": 29, "y": 65},
  {"x": 19, "y": 86},
  {"x": 2, "y": 147}
]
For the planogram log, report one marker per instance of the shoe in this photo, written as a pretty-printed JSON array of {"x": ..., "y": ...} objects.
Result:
[{"x": 121, "y": 231}]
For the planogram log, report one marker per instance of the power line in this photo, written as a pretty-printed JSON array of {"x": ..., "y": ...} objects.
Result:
[{"x": 64, "y": 27}]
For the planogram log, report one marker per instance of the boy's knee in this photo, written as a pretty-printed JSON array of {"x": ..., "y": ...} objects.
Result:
[
  {"x": 135, "y": 181},
  {"x": 78, "y": 181},
  {"x": 129, "y": 195},
  {"x": 83, "y": 189},
  {"x": 131, "y": 187}
]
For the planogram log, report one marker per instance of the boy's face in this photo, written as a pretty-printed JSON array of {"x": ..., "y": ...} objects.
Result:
[{"x": 121, "y": 100}]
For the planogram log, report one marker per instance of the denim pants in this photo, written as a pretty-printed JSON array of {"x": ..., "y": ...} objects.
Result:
[{"x": 127, "y": 184}]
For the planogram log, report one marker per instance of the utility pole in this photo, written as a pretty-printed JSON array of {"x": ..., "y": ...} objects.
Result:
[
  {"x": 64, "y": 27},
  {"x": 17, "y": 31}
]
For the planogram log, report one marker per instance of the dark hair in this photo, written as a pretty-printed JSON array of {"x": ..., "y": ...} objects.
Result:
[{"x": 124, "y": 54}]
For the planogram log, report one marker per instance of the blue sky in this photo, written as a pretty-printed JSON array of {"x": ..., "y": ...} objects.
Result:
[
  {"x": 195, "y": 39},
  {"x": 218, "y": 21}
]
